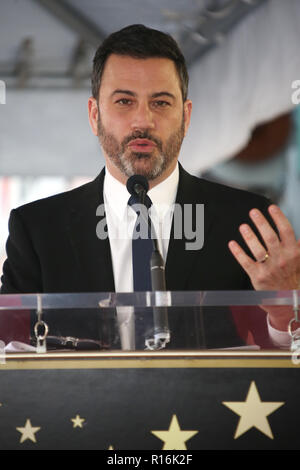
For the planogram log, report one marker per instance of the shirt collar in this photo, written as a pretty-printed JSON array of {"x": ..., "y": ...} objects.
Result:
[{"x": 163, "y": 195}]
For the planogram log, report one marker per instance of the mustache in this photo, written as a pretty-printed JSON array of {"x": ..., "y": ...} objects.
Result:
[{"x": 142, "y": 135}]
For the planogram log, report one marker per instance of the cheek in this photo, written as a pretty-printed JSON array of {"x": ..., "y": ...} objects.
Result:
[{"x": 114, "y": 124}]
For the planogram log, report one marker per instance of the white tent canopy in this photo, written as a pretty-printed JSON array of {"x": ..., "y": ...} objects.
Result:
[
  {"x": 243, "y": 81},
  {"x": 246, "y": 81}
]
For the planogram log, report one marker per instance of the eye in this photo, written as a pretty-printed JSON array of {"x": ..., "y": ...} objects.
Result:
[
  {"x": 124, "y": 101},
  {"x": 161, "y": 104}
]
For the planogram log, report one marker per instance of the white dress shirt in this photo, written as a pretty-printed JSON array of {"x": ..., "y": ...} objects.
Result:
[{"x": 120, "y": 219}]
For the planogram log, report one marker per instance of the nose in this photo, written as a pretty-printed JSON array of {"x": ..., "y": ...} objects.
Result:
[{"x": 143, "y": 117}]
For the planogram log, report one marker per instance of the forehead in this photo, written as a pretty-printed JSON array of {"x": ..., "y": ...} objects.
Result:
[{"x": 151, "y": 75}]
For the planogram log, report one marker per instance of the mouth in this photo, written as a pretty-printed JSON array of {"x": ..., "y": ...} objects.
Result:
[{"x": 141, "y": 145}]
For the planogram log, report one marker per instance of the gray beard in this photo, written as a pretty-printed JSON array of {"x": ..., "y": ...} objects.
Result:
[
  {"x": 126, "y": 163},
  {"x": 127, "y": 166}
]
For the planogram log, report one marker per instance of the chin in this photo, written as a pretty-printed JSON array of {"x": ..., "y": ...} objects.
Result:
[
  {"x": 145, "y": 165},
  {"x": 149, "y": 172}
]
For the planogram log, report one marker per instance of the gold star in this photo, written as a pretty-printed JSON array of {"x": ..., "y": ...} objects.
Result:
[
  {"x": 77, "y": 421},
  {"x": 28, "y": 432},
  {"x": 253, "y": 412},
  {"x": 174, "y": 438}
]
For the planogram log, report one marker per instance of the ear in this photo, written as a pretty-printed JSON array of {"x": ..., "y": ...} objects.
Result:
[
  {"x": 187, "y": 112},
  {"x": 93, "y": 114}
]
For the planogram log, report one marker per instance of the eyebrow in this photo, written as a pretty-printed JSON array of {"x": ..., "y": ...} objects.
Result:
[
  {"x": 163, "y": 93},
  {"x": 154, "y": 95}
]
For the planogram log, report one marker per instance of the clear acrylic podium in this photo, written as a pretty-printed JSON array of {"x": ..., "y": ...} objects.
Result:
[
  {"x": 142, "y": 321},
  {"x": 147, "y": 371}
]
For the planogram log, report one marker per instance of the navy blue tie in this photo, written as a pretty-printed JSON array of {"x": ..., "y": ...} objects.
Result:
[{"x": 142, "y": 246}]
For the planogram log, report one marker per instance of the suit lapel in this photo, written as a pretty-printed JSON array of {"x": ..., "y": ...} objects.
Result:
[
  {"x": 180, "y": 260},
  {"x": 92, "y": 254}
]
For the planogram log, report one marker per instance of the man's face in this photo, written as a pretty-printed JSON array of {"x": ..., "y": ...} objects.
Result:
[{"x": 140, "y": 118}]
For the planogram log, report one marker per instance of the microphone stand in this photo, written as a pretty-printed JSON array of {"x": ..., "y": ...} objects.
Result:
[
  {"x": 161, "y": 334},
  {"x": 160, "y": 314}
]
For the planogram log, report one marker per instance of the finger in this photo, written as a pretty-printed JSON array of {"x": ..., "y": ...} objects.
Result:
[
  {"x": 283, "y": 225},
  {"x": 255, "y": 246},
  {"x": 242, "y": 258},
  {"x": 269, "y": 235}
]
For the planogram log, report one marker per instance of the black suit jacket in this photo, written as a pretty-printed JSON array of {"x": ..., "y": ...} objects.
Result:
[{"x": 53, "y": 247}]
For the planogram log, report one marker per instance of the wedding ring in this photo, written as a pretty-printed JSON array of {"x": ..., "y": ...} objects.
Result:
[{"x": 265, "y": 258}]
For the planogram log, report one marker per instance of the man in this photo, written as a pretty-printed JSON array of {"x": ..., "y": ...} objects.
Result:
[{"x": 140, "y": 112}]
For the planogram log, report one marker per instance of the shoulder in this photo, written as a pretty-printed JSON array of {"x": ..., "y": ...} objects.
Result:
[
  {"x": 219, "y": 194},
  {"x": 60, "y": 203}
]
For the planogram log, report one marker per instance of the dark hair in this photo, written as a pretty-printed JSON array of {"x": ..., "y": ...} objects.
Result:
[{"x": 140, "y": 42}]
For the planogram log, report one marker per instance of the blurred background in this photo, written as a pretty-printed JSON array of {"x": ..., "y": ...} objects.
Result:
[{"x": 244, "y": 64}]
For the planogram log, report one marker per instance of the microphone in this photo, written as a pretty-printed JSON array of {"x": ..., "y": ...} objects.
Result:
[{"x": 137, "y": 185}]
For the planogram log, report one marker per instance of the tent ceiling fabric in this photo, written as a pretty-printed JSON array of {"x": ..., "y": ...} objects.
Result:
[
  {"x": 242, "y": 56},
  {"x": 244, "y": 82},
  {"x": 55, "y": 27}
]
